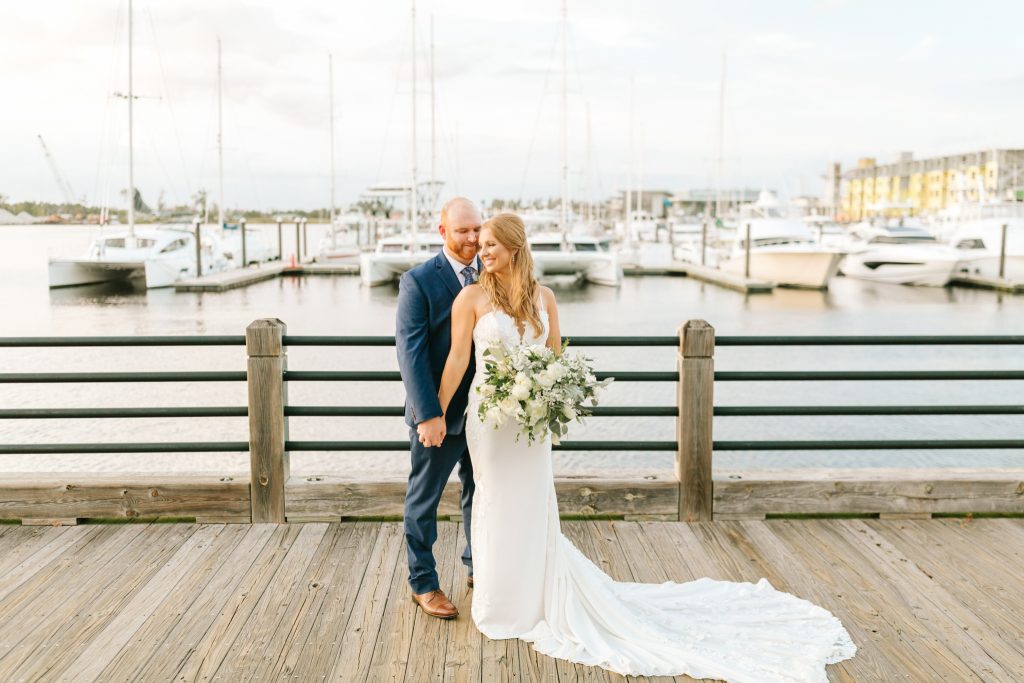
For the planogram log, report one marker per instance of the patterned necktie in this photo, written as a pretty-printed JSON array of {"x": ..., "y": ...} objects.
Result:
[{"x": 468, "y": 275}]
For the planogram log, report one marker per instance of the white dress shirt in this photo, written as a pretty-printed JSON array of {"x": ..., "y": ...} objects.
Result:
[{"x": 458, "y": 265}]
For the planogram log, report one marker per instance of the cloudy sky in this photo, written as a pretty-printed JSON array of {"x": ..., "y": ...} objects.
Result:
[{"x": 807, "y": 81}]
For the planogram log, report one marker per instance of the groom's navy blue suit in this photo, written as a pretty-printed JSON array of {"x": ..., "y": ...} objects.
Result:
[{"x": 423, "y": 336}]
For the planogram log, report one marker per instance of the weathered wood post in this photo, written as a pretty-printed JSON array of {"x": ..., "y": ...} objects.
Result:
[
  {"x": 268, "y": 426},
  {"x": 280, "y": 242},
  {"x": 746, "y": 255},
  {"x": 693, "y": 428},
  {"x": 199, "y": 247},
  {"x": 245, "y": 254},
  {"x": 1002, "y": 251}
]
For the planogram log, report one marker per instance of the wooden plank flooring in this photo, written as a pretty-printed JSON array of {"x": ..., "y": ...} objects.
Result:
[{"x": 924, "y": 600}]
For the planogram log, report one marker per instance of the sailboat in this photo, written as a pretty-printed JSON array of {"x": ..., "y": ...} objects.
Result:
[
  {"x": 591, "y": 258},
  {"x": 154, "y": 257},
  {"x": 396, "y": 254}
]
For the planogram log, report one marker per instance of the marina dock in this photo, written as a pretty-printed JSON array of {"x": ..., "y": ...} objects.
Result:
[
  {"x": 923, "y": 601},
  {"x": 243, "y": 277}
]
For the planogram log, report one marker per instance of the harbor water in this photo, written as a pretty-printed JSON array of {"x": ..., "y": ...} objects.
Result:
[{"x": 339, "y": 305}]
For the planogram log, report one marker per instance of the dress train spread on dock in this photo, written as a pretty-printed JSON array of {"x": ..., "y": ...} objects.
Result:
[{"x": 532, "y": 583}]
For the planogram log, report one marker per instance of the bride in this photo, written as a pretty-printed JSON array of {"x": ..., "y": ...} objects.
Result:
[{"x": 530, "y": 581}]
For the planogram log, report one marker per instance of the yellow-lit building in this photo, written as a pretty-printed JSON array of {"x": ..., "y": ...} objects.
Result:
[{"x": 909, "y": 186}]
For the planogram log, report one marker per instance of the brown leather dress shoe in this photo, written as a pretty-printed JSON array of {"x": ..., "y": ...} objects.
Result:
[{"x": 436, "y": 604}]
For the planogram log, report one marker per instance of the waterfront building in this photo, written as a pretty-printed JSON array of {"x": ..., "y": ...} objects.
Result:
[{"x": 908, "y": 186}]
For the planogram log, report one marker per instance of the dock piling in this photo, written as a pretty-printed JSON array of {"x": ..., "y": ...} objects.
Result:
[
  {"x": 245, "y": 254},
  {"x": 199, "y": 248},
  {"x": 280, "y": 242},
  {"x": 746, "y": 256},
  {"x": 1002, "y": 251},
  {"x": 298, "y": 240},
  {"x": 305, "y": 237}
]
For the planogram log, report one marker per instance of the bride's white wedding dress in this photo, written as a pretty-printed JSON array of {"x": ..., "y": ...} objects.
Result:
[{"x": 532, "y": 583}]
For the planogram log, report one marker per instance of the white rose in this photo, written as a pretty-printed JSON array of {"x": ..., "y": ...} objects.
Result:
[
  {"x": 494, "y": 418},
  {"x": 509, "y": 406},
  {"x": 556, "y": 370},
  {"x": 545, "y": 379},
  {"x": 521, "y": 392},
  {"x": 538, "y": 411},
  {"x": 522, "y": 378},
  {"x": 486, "y": 390}
]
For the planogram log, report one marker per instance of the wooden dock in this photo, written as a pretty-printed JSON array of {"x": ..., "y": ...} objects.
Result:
[
  {"x": 720, "y": 278},
  {"x": 935, "y": 600},
  {"x": 1009, "y": 286},
  {"x": 243, "y": 277}
]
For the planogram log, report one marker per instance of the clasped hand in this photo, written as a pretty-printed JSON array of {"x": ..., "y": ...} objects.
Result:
[{"x": 432, "y": 431}]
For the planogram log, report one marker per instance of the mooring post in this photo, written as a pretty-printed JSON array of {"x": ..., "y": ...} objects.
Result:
[
  {"x": 298, "y": 240},
  {"x": 305, "y": 237},
  {"x": 268, "y": 426},
  {"x": 199, "y": 248},
  {"x": 280, "y": 242},
  {"x": 695, "y": 399},
  {"x": 245, "y": 254},
  {"x": 1002, "y": 251},
  {"x": 746, "y": 257}
]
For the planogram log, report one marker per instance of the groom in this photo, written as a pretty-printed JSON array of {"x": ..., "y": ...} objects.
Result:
[{"x": 423, "y": 339}]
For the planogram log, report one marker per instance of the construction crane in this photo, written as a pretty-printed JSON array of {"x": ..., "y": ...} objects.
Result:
[{"x": 62, "y": 183}]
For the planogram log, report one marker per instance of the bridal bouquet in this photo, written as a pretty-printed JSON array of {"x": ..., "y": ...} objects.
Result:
[{"x": 539, "y": 389}]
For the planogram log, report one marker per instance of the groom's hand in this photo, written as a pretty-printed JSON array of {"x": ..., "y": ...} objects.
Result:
[{"x": 432, "y": 431}]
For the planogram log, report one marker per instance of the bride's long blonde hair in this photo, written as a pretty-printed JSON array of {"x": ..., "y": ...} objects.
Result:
[{"x": 519, "y": 297}]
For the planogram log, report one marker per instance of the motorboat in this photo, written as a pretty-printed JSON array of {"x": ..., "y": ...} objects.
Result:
[
  {"x": 782, "y": 248},
  {"x": 592, "y": 258},
  {"x": 152, "y": 257},
  {"x": 257, "y": 250},
  {"x": 395, "y": 255},
  {"x": 906, "y": 254},
  {"x": 976, "y": 231},
  {"x": 341, "y": 243}
]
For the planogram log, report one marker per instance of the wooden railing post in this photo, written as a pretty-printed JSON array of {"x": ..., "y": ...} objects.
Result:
[
  {"x": 693, "y": 428},
  {"x": 268, "y": 426}
]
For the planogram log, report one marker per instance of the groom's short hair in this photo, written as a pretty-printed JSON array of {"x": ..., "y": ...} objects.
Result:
[{"x": 451, "y": 204}]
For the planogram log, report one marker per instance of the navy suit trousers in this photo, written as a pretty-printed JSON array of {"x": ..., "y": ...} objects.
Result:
[{"x": 431, "y": 468}]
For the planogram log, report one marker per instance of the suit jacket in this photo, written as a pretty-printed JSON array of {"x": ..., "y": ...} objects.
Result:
[{"x": 423, "y": 338}]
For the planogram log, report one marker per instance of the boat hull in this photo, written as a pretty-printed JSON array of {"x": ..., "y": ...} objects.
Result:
[
  {"x": 806, "y": 269},
  {"x": 150, "y": 273},
  {"x": 380, "y": 269},
  {"x": 599, "y": 268},
  {"x": 927, "y": 271}
]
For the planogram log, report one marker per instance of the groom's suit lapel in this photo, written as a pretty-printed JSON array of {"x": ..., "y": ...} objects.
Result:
[{"x": 445, "y": 272}]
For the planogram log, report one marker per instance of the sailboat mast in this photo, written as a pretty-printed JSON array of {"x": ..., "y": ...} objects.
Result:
[
  {"x": 721, "y": 137},
  {"x": 433, "y": 123},
  {"x": 413, "y": 201},
  {"x": 588, "y": 190},
  {"x": 220, "y": 139},
  {"x": 330, "y": 97},
  {"x": 565, "y": 119},
  {"x": 629, "y": 170},
  {"x": 131, "y": 134}
]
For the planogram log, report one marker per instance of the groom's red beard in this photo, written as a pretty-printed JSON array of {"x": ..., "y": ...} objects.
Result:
[{"x": 465, "y": 252}]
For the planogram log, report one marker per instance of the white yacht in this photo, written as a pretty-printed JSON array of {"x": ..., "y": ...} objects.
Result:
[
  {"x": 901, "y": 254},
  {"x": 976, "y": 232},
  {"x": 152, "y": 257},
  {"x": 590, "y": 257},
  {"x": 783, "y": 250},
  {"x": 395, "y": 255}
]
